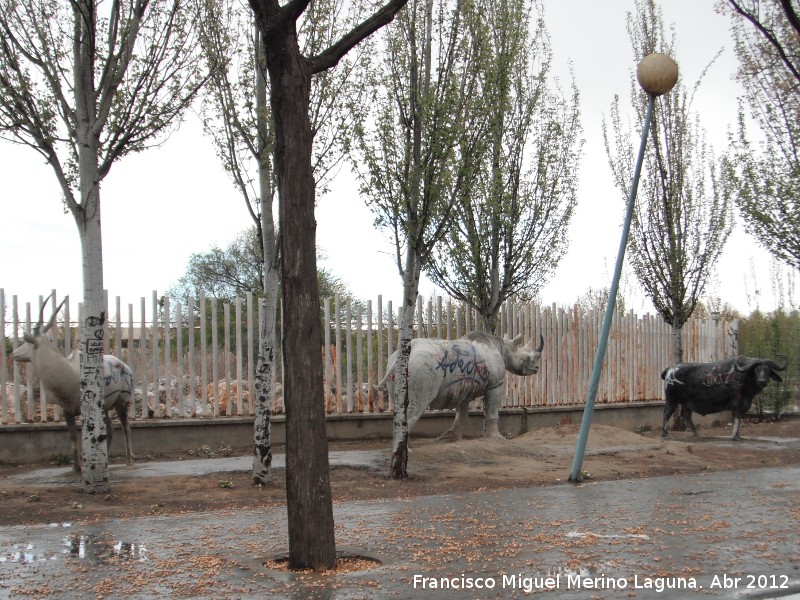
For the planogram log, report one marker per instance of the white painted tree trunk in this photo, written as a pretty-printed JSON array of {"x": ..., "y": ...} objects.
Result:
[
  {"x": 406, "y": 329},
  {"x": 262, "y": 434},
  {"x": 92, "y": 333},
  {"x": 262, "y": 440},
  {"x": 87, "y": 218},
  {"x": 262, "y": 437}
]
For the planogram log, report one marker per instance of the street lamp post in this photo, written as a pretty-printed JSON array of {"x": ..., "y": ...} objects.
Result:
[{"x": 657, "y": 74}]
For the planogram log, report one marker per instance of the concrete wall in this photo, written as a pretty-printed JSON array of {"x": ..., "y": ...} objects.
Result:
[{"x": 39, "y": 442}]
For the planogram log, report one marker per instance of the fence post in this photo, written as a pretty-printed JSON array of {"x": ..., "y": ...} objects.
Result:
[
  {"x": 239, "y": 395},
  {"x": 201, "y": 312},
  {"x": 143, "y": 358},
  {"x": 154, "y": 346},
  {"x": 29, "y": 403},
  {"x": 168, "y": 378},
  {"x": 429, "y": 314},
  {"x": 370, "y": 378},
  {"x": 251, "y": 372},
  {"x": 390, "y": 348},
  {"x": 215, "y": 356},
  {"x": 420, "y": 321},
  {"x": 181, "y": 401},
  {"x": 191, "y": 372},
  {"x": 3, "y": 386},
  {"x": 15, "y": 364},
  {"x": 380, "y": 349},
  {"x": 226, "y": 357},
  {"x": 359, "y": 392},
  {"x": 326, "y": 353},
  {"x": 348, "y": 322},
  {"x": 118, "y": 328},
  {"x": 337, "y": 308}
]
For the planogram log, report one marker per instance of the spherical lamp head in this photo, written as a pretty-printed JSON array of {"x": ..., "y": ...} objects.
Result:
[{"x": 657, "y": 73}]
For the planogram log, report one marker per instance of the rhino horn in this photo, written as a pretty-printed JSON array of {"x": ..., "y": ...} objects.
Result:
[{"x": 541, "y": 343}]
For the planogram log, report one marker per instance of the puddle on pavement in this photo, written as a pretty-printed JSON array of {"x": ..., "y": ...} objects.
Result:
[
  {"x": 97, "y": 550},
  {"x": 77, "y": 545},
  {"x": 26, "y": 553},
  {"x": 578, "y": 570}
]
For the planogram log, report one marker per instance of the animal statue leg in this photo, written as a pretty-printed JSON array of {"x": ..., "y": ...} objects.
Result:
[
  {"x": 687, "y": 417},
  {"x": 669, "y": 408},
  {"x": 491, "y": 412},
  {"x": 109, "y": 429},
  {"x": 122, "y": 414},
  {"x": 455, "y": 433},
  {"x": 737, "y": 423},
  {"x": 73, "y": 438}
]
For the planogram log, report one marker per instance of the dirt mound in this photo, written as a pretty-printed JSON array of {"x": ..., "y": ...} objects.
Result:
[
  {"x": 600, "y": 436},
  {"x": 545, "y": 442}
]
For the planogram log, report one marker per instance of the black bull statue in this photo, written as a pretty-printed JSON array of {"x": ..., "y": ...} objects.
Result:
[{"x": 707, "y": 388}]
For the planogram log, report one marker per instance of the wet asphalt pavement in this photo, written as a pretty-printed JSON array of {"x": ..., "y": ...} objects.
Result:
[
  {"x": 734, "y": 534},
  {"x": 195, "y": 467}
]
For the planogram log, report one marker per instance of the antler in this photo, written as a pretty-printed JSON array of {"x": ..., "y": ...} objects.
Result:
[{"x": 37, "y": 329}]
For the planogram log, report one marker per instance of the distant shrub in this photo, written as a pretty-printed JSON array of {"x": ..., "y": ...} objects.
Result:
[{"x": 774, "y": 335}]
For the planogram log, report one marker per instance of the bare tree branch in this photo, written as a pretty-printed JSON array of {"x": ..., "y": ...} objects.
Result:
[
  {"x": 769, "y": 34},
  {"x": 332, "y": 55}
]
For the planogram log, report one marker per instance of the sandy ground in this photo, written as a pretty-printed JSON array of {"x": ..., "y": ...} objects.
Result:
[{"x": 541, "y": 457}]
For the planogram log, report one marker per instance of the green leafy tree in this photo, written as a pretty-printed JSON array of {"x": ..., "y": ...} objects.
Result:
[
  {"x": 773, "y": 335},
  {"x": 223, "y": 273},
  {"x": 233, "y": 271},
  {"x": 416, "y": 146},
  {"x": 682, "y": 218},
  {"x": 84, "y": 84},
  {"x": 509, "y": 228},
  {"x": 764, "y": 177}
]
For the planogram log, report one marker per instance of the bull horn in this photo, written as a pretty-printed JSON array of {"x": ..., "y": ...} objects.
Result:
[
  {"x": 541, "y": 343},
  {"x": 743, "y": 363},
  {"x": 775, "y": 366}
]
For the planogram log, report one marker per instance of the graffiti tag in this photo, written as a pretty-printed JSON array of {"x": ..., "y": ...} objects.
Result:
[{"x": 464, "y": 364}]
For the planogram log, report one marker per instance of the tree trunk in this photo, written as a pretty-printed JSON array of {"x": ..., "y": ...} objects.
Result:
[
  {"x": 677, "y": 344},
  {"x": 308, "y": 492},
  {"x": 262, "y": 446},
  {"x": 262, "y": 437},
  {"x": 92, "y": 334},
  {"x": 678, "y": 423},
  {"x": 399, "y": 466},
  {"x": 87, "y": 218}
]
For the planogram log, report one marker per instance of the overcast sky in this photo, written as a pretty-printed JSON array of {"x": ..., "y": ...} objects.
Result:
[{"x": 161, "y": 206}]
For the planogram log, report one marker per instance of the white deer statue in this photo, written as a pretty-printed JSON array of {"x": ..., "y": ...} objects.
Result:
[{"x": 61, "y": 380}]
